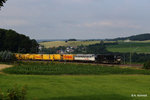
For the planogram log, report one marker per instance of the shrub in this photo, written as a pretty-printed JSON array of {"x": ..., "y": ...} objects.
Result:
[
  {"x": 14, "y": 94},
  {"x": 146, "y": 65},
  {"x": 6, "y": 56}
]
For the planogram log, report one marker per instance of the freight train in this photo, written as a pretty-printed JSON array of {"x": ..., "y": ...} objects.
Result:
[{"x": 99, "y": 58}]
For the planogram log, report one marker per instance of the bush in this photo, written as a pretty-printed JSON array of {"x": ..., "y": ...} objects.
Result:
[
  {"x": 14, "y": 94},
  {"x": 6, "y": 56},
  {"x": 146, "y": 65}
]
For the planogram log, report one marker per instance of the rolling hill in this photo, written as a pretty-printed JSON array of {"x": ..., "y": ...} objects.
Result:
[{"x": 140, "y": 37}]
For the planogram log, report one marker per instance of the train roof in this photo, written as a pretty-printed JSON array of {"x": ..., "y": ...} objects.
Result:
[{"x": 85, "y": 55}]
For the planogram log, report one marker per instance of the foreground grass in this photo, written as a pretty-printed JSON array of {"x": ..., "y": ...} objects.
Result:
[
  {"x": 70, "y": 69},
  {"x": 103, "y": 87}
]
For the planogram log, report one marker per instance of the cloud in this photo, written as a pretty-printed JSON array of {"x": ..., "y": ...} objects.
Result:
[
  {"x": 13, "y": 22},
  {"x": 110, "y": 24},
  {"x": 76, "y": 18}
]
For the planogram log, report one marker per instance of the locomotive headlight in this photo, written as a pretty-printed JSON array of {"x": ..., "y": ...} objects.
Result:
[{"x": 118, "y": 59}]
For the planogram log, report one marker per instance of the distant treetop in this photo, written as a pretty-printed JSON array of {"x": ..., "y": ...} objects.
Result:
[{"x": 72, "y": 40}]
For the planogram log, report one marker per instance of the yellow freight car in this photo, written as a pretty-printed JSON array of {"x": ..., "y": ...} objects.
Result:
[
  {"x": 18, "y": 57},
  {"x": 26, "y": 56},
  {"x": 38, "y": 57},
  {"x": 31, "y": 56},
  {"x": 68, "y": 57},
  {"x": 46, "y": 57},
  {"x": 22, "y": 56},
  {"x": 57, "y": 57},
  {"x": 51, "y": 57}
]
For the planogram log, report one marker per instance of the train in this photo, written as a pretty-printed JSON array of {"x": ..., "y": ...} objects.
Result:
[{"x": 99, "y": 58}]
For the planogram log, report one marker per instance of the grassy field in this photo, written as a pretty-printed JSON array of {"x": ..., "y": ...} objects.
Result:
[
  {"x": 69, "y": 43},
  {"x": 138, "y": 47},
  {"x": 112, "y": 83},
  {"x": 89, "y": 87}
]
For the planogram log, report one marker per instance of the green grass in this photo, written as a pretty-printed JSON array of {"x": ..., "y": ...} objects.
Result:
[
  {"x": 138, "y": 47},
  {"x": 109, "y": 83},
  {"x": 70, "y": 69},
  {"x": 90, "y": 87}
]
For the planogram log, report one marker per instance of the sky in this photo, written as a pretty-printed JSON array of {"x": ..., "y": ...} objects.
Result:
[{"x": 79, "y": 19}]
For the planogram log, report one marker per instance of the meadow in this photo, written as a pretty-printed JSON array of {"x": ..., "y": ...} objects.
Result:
[{"x": 80, "y": 87}]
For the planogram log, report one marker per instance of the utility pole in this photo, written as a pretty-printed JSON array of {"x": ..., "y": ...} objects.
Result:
[
  {"x": 130, "y": 58},
  {"x": 131, "y": 54}
]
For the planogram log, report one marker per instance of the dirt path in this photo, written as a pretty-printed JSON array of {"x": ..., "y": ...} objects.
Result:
[{"x": 3, "y": 66}]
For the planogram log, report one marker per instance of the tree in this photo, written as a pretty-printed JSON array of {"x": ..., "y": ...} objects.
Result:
[
  {"x": 2, "y": 2},
  {"x": 12, "y": 41},
  {"x": 72, "y": 40}
]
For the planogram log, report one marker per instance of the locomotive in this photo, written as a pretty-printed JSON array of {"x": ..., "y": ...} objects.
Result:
[{"x": 99, "y": 58}]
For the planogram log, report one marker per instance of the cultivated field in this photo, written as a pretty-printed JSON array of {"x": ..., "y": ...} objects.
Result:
[
  {"x": 77, "y": 82},
  {"x": 40, "y": 68},
  {"x": 69, "y": 43}
]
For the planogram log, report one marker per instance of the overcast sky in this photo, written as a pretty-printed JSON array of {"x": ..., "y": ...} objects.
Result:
[{"x": 80, "y": 19}]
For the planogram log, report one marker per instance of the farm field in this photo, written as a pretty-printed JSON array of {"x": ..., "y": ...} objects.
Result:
[
  {"x": 32, "y": 68},
  {"x": 108, "y": 83},
  {"x": 69, "y": 43},
  {"x": 138, "y": 47}
]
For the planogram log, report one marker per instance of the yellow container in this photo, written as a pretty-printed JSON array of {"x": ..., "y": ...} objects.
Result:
[
  {"x": 46, "y": 57},
  {"x": 57, "y": 57},
  {"x": 26, "y": 56},
  {"x": 69, "y": 57},
  {"x": 22, "y": 56},
  {"x": 51, "y": 57},
  {"x": 38, "y": 57},
  {"x": 31, "y": 56},
  {"x": 17, "y": 56}
]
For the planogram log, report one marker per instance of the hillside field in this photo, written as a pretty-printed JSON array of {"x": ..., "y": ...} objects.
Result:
[
  {"x": 69, "y": 43},
  {"x": 123, "y": 47}
]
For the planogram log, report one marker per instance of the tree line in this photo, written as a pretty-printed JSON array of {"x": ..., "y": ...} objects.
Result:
[{"x": 140, "y": 37}]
